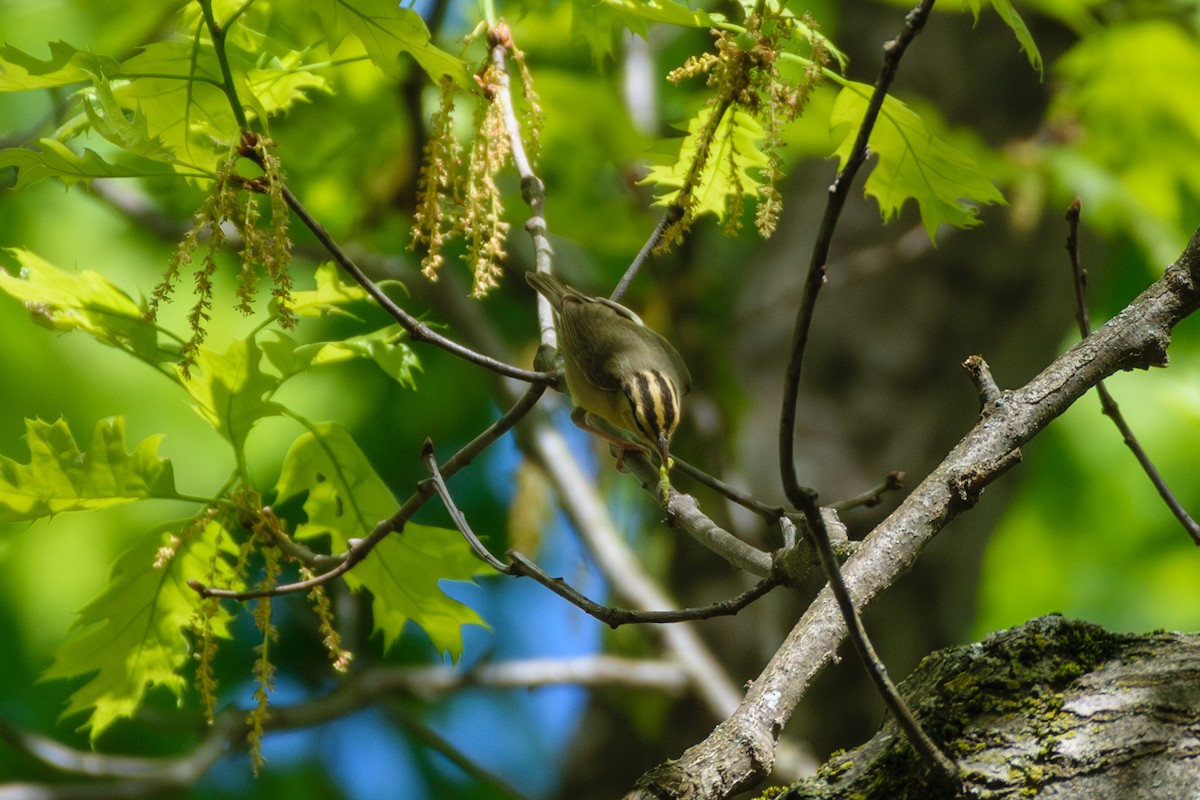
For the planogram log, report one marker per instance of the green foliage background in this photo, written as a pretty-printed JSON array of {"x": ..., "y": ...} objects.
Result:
[{"x": 1077, "y": 529}]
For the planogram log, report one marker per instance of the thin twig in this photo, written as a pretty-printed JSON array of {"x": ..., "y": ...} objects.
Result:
[
  {"x": 684, "y": 512},
  {"x": 769, "y": 513},
  {"x": 417, "y": 330},
  {"x": 1107, "y": 402},
  {"x": 520, "y": 564},
  {"x": 943, "y": 767},
  {"x": 673, "y": 214},
  {"x": 805, "y": 499},
  {"x": 217, "y": 33},
  {"x": 892, "y": 482},
  {"x": 342, "y": 563},
  {"x": 985, "y": 385},
  {"x": 839, "y": 191},
  {"x": 460, "y": 520},
  {"x": 615, "y": 617}
]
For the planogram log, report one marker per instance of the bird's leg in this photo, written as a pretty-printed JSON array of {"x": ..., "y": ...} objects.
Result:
[{"x": 582, "y": 418}]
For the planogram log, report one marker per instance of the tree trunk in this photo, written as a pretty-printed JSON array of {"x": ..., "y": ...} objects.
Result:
[{"x": 1051, "y": 709}]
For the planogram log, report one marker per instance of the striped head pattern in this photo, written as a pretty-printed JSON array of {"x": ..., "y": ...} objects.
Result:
[{"x": 654, "y": 403}]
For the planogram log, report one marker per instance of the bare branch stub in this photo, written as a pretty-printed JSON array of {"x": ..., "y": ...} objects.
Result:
[{"x": 981, "y": 375}]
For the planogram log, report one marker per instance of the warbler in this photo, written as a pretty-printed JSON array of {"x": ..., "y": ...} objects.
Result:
[{"x": 617, "y": 369}]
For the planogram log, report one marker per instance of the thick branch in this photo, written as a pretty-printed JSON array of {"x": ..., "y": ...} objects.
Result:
[
  {"x": 1053, "y": 708},
  {"x": 739, "y": 752}
]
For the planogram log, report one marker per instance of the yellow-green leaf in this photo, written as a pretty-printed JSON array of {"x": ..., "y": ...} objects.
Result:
[
  {"x": 20, "y": 71},
  {"x": 331, "y": 296},
  {"x": 84, "y": 301},
  {"x": 386, "y": 30},
  {"x": 48, "y": 158},
  {"x": 231, "y": 391},
  {"x": 912, "y": 162},
  {"x": 131, "y": 637},
  {"x": 60, "y": 477},
  {"x": 177, "y": 88},
  {"x": 386, "y": 347},
  {"x": 733, "y": 166},
  {"x": 403, "y": 574},
  {"x": 345, "y": 500},
  {"x": 280, "y": 84}
]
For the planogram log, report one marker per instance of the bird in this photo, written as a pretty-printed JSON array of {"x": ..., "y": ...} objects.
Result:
[{"x": 618, "y": 369}]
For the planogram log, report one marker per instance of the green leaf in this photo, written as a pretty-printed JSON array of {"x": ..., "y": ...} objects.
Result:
[
  {"x": 1133, "y": 167},
  {"x": 279, "y": 86},
  {"x": 331, "y": 296},
  {"x": 1013, "y": 20},
  {"x": 403, "y": 574},
  {"x": 87, "y": 302},
  {"x": 386, "y": 347},
  {"x": 913, "y": 162},
  {"x": 132, "y": 635},
  {"x": 231, "y": 391},
  {"x": 386, "y": 30},
  {"x": 129, "y": 133},
  {"x": 345, "y": 500},
  {"x": 177, "y": 88},
  {"x": 66, "y": 66},
  {"x": 53, "y": 159},
  {"x": 733, "y": 164},
  {"x": 59, "y": 477}
]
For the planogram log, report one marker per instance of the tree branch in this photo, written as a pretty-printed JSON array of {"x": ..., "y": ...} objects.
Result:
[
  {"x": 739, "y": 752},
  {"x": 613, "y": 617},
  {"x": 1107, "y": 402},
  {"x": 417, "y": 330},
  {"x": 340, "y": 564},
  {"x": 114, "y": 776},
  {"x": 805, "y": 499}
]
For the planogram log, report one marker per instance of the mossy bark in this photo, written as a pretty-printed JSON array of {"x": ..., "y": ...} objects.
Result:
[{"x": 1051, "y": 709}]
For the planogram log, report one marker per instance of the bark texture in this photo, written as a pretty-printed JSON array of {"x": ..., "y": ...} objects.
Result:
[{"x": 1051, "y": 709}]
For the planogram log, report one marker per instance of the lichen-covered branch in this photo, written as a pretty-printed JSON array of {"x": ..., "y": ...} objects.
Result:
[{"x": 1053, "y": 708}]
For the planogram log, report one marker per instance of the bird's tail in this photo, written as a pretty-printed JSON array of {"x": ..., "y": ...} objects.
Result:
[{"x": 548, "y": 286}]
